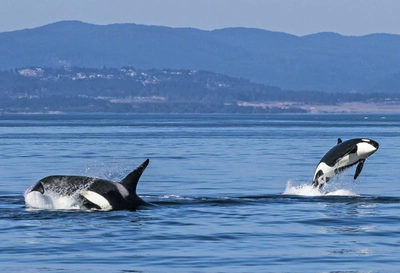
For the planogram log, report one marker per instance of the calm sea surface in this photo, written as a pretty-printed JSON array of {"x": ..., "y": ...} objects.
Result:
[{"x": 230, "y": 193}]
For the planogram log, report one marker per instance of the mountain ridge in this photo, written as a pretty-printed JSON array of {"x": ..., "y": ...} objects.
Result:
[{"x": 323, "y": 61}]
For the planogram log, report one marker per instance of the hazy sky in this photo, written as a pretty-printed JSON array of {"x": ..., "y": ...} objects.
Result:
[{"x": 299, "y": 17}]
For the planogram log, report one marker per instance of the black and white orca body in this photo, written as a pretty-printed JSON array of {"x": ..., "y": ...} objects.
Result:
[
  {"x": 342, "y": 156},
  {"x": 95, "y": 193}
]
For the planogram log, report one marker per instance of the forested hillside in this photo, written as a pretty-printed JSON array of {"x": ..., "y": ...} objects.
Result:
[{"x": 128, "y": 89}]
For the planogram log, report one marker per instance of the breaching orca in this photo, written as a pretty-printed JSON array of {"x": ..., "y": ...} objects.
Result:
[
  {"x": 95, "y": 193},
  {"x": 342, "y": 156}
]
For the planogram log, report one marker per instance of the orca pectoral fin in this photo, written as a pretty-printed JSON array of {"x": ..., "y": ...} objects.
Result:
[
  {"x": 359, "y": 169},
  {"x": 96, "y": 200}
]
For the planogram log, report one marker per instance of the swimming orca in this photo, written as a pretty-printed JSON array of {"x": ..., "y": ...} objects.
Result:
[
  {"x": 342, "y": 156},
  {"x": 95, "y": 193}
]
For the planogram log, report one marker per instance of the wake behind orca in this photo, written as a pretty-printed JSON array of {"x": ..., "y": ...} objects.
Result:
[
  {"x": 342, "y": 156},
  {"x": 89, "y": 192}
]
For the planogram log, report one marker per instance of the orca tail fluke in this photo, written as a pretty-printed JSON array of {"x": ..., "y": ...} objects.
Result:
[{"x": 131, "y": 180}]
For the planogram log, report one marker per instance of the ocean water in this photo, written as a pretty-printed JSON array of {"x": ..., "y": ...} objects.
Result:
[{"x": 229, "y": 193}]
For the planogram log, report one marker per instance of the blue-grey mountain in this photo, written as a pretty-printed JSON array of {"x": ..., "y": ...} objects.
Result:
[{"x": 323, "y": 61}]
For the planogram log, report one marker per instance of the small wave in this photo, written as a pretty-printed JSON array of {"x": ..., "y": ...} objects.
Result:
[
  {"x": 309, "y": 190},
  {"x": 177, "y": 200},
  {"x": 175, "y": 197}
]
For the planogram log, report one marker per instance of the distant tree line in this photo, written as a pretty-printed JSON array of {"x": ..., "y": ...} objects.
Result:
[{"x": 76, "y": 89}]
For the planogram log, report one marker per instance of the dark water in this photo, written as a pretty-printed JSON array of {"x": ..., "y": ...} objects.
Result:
[{"x": 230, "y": 194}]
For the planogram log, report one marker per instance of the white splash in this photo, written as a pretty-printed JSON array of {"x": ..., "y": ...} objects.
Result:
[
  {"x": 306, "y": 189},
  {"x": 36, "y": 200}
]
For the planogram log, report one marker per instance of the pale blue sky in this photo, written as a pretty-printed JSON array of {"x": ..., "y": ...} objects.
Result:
[{"x": 299, "y": 17}]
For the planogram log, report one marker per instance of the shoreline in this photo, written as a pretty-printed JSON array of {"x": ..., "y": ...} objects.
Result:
[
  {"x": 355, "y": 107},
  {"x": 344, "y": 108}
]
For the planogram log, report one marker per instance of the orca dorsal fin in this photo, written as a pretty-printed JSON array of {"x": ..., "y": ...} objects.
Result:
[
  {"x": 339, "y": 140},
  {"x": 131, "y": 180},
  {"x": 359, "y": 168}
]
